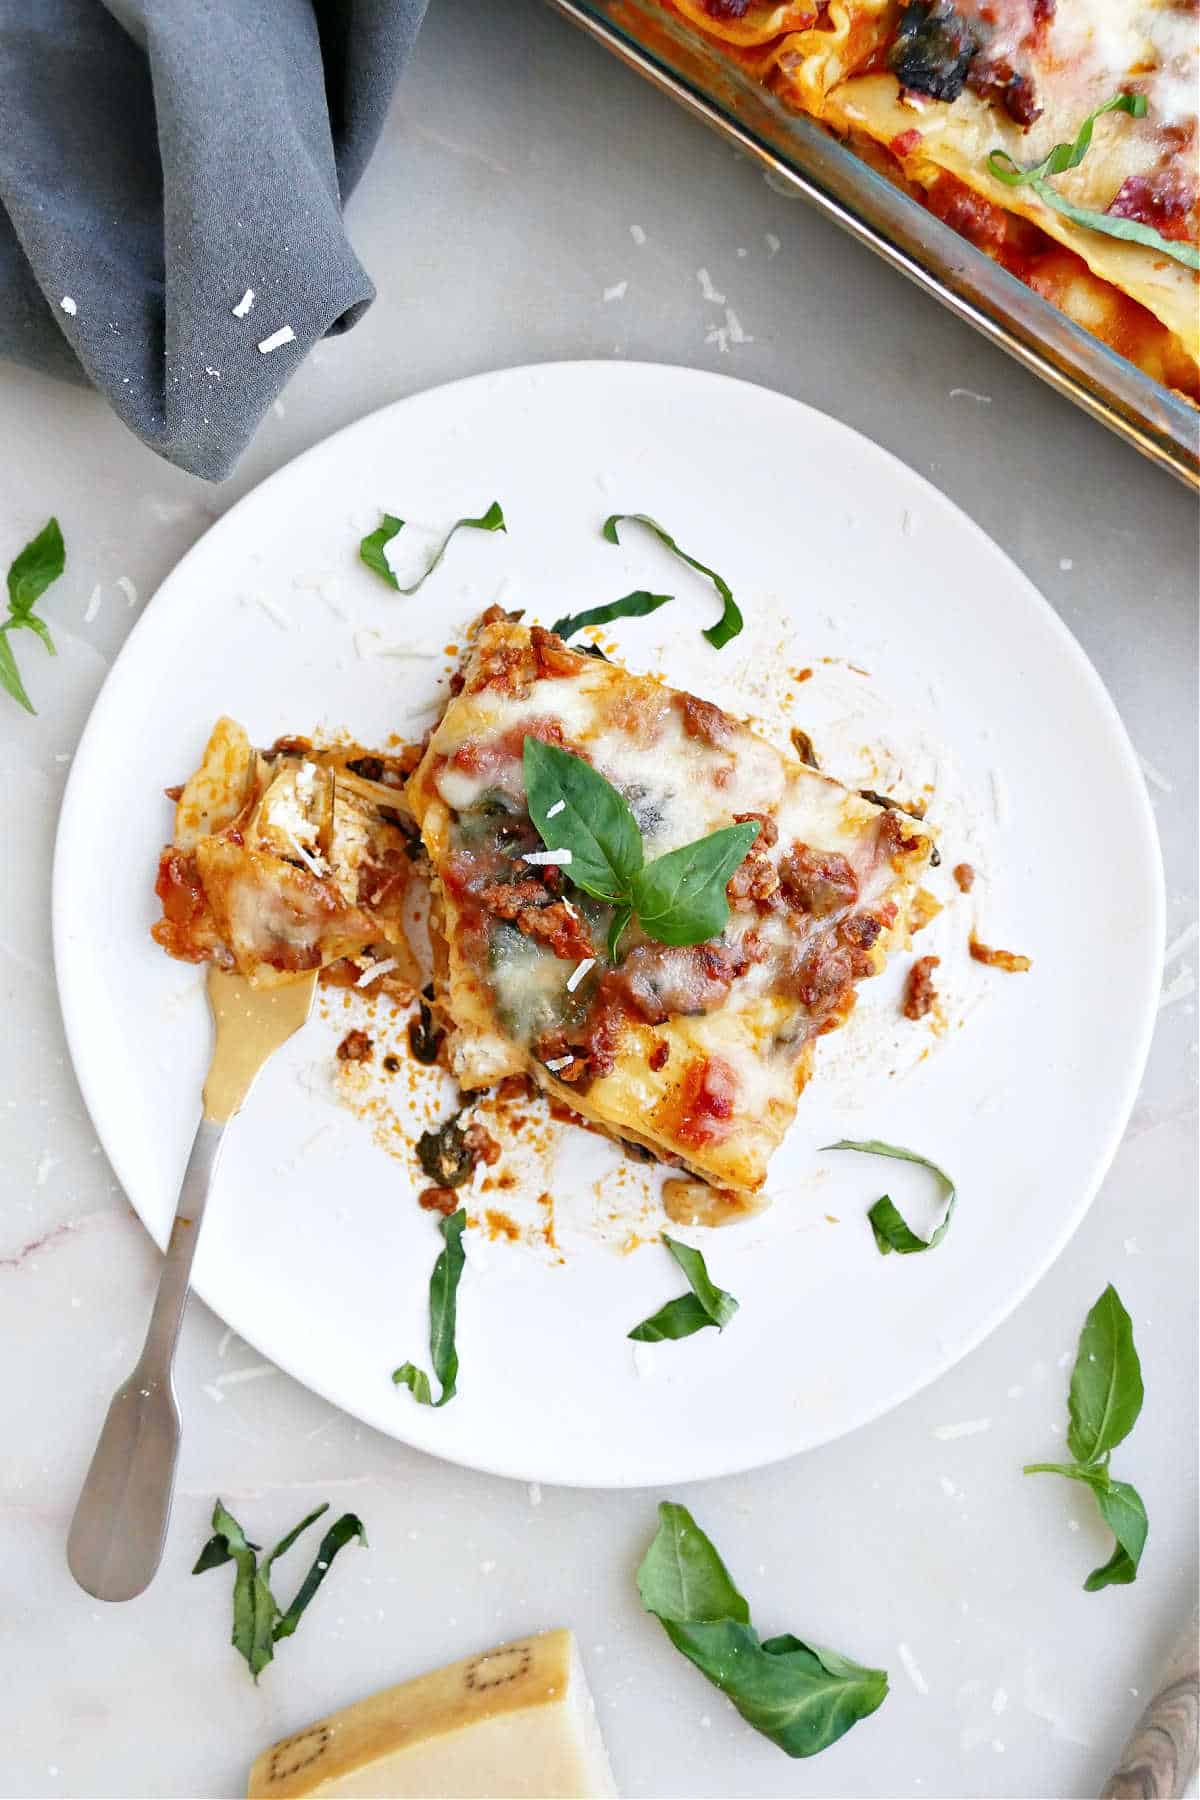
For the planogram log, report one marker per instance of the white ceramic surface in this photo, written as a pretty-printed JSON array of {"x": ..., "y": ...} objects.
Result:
[{"x": 314, "y": 1250}]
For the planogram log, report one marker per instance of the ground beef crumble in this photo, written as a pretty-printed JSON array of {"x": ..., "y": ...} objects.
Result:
[{"x": 920, "y": 994}]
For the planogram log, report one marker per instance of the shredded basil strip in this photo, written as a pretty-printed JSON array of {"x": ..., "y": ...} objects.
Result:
[
  {"x": 891, "y": 1232},
  {"x": 637, "y": 605},
  {"x": 258, "y": 1622},
  {"x": 371, "y": 549},
  {"x": 1104, "y": 1403},
  {"x": 705, "y": 1305},
  {"x": 31, "y": 572},
  {"x": 730, "y": 622},
  {"x": 443, "y": 1318},
  {"x": 1069, "y": 156},
  {"x": 800, "y": 1696}
]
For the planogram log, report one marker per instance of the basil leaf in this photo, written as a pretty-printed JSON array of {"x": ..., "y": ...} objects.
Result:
[
  {"x": 1112, "y": 225},
  {"x": 41, "y": 561},
  {"x": 1122, "y": 1510},
  {"x": 680, "y": 897},
  {"x": 799, "y": 1696},
  {"x": 705, "y": 1305},
  {"x": 595, "y": 823},
  {"x": 891, "y": 1232},
  {"x": 416, "y": 1381},
  {"x": 1064, "y": 156},
  {"x": 371, "y": 550},
  {"x": 1069, "y": 156},
  {"x": 631, "y": 606},
  {"x": 1106, "y": 1382},
  {"x": 677, "y": 1319},
  {"x": 443, "y": 1315},
  {"x": 682, "y": 1576},
  {"x": 620, "y": 920},
  {"x": 730, "y": 622},
  {"x": 257, "y": 1622},
  {"x": 348, "y": 1527},
  {"x": 33, "y": 569},
  {"x": 1105, "y": 1400},
  {"x": 10, "y": 675},
  {"x": 285, "y": 1543}
]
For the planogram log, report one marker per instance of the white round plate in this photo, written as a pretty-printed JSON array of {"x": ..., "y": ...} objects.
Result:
[{"x": 934, "y": 664}]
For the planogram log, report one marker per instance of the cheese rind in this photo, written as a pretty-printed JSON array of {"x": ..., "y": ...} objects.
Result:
[{"x": 515, "y": 1723}]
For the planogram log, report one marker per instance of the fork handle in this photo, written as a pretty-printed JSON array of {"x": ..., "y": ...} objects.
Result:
[
  {"x": 120, "y": 1525},
  {"x": 162, "y": 1334}
]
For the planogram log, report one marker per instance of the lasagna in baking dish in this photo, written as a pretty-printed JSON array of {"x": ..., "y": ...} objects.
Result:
[
  {"x": 288, "y": 860},
  {"x": 697, "y": 1051},
  {"x": 961, "y": 102}
]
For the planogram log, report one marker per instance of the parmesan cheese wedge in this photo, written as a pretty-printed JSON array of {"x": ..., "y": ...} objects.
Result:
[{"x": 515, "y": 1723}]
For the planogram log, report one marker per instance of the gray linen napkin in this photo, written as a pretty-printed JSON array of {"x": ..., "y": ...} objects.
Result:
[{"x": 160, "y": 158}]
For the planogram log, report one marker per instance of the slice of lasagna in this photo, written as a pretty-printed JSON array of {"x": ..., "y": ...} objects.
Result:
[
  {"x": 698, "y": 1052},
  {"x": 287, "y": 860}
]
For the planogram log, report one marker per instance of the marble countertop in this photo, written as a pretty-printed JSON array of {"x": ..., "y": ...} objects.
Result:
[{"x": 497, "y": 219}]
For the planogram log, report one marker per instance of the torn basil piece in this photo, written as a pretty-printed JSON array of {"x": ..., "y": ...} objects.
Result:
[
  {"x": 706, "y": 1305},
  {"x": 891, "y": 1231},
  {"x": 372, "y": 548},
  {"x": 637, "y": 605},
  {"x": 1069, "y": 156},
  {"x": 258, "y": 1623},
  {"x": 443, "y": 1319},
  {"x": 800, "y": 1696},
  {"x": 730, "y": 622}
]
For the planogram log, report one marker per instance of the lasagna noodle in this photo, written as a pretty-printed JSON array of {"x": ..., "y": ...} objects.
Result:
[
  {"x": 834, "y": 68},
  {"x": 698, "y": 1053},
  {"x": 284, "y": 862}
]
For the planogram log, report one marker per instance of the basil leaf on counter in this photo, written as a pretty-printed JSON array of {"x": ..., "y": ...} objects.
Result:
[
  {"x": 1124, "y": 1513},
  {"x": 576, "y": 809},
  {"x": 680, "y": 897},
  {"x": 801, "y": 1697},
  {"x": 371, "y": 549},
  {"x": 258, "y": 1623},
  {"x": 1106, "y": 1383},
  {"x": 31, "y": 572},
  {"x": 887, "y": 1223},
  {"x": 1069, "y": 156},
  {"x": 1104, "y": 1402},
  {"x": 705, "y": 1305},
  {"x": 730, "y": 622},
  {"x": 631, "y": 606},
  {"x": 348, "y": 1527},
  {"x": 443, "y": 1315},
  {"x": 682, "y": 1576}
]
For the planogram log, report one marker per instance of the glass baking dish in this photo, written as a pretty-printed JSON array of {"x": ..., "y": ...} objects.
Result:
[{"x": 676, "y": 58}]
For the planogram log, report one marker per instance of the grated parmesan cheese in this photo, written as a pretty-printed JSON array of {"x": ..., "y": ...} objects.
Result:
[
  {"x": 552, "y": 812},
  {"x": 548, "y": 859},
  {"x": 277, "y": 339},
  {"x": 244, "y": 304},
  {"x": 93, "y": 605},
  {"x": 578, "y": 973},
  {"x": 384, "y": 967},
  {"x": 127, "y": 588},
  {"x": 556, "y": 1062},
  {"x": 68, "y": 305}
]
